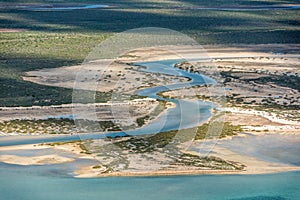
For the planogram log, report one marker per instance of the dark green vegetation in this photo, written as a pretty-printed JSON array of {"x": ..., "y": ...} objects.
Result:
[
  {"x": 21, "y": 52},
  {"x": 141, "y": 121},
  {"x": 206, "y": 26},
  {"x": 150, "y": 144},
  {"x": 167, "y": 144},
  {"x": 57, "y": 39},
  {"x": 86, "y": 126},
  {"x": 159, "y": 109},
  {"x": 41, "y": 126},
  {"x": 285, "y": 105},
  {"x": 227, "y": 129},
  {"x": 97, "y": 167},
  {"x": 55, "y": 126},
  {"x": 281, "y": 80},
  {"x": 84, "y": 148},
  {"x": 214, "y": 163},
  {"x": 290, "y": 81},
  {"x": 102, "y": 97},
  {"x": 161, "y": 140},
  {"x": 81, "y": 144},
  {"x": 60, "y": 143},
  {"x": 269, "y": 102}
]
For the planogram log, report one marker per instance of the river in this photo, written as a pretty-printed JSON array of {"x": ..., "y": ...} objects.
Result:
[
  {"x": 57, "y": 182},
  {"x": 186, "y": 114}
]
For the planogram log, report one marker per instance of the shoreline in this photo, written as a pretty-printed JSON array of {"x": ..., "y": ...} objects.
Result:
[
  {"x": 253, "y": 166},
  {"x": 167, "y": 173},
  {"x": 185, "y": 173}
]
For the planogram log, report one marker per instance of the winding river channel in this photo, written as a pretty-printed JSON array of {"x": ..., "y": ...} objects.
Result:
[
  {"x": 186, "y": 114},
  {"x": 53, "y": 182}
]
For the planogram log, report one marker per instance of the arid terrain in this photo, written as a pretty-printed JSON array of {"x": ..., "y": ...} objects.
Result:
[{"x": 260, "y": 85}]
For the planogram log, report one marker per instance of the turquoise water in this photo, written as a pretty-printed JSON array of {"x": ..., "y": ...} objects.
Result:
[
  {"x": 194, "y": 113},
  {"x": 54, "y": 182},
  {"x": 32, "y": 183}
]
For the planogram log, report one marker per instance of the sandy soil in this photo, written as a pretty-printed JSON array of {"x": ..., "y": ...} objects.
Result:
[
  {"x": 88, "y": 172},
  {"x": 258, "y": 123},
  {"x": 104, "y": 111},
  {"x": 274, "y": 58},
  {"x": 31, "y": 160},
  {"x": 118, "y": 75},
  {"x": 72, "y": 147},
  {"x": 22, "y": 147},
  {"x": 123, "y": 114},
  {"x": 253, "y": 166},
  {"x": 36, "y": 160},
  {"x": 245, "y": 119},
  {"x": 268, "y": 117},
  {"x": 101, "y": 75},
  {"x": 251, "y": 121},
  {"x": 246, "y": 62},
  {"x": 280, "y": 53}
]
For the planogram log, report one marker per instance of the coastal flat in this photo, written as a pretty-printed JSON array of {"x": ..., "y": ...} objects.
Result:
[{"x": 261, "y": 60}]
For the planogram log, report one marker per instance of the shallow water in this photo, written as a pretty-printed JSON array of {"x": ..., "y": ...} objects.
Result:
[
  {"x": 269, "y": 147},
  {"x": 36, "y": 183},
  {"x": 53, "y": 182},
  {"x": 186, "y": 114}
]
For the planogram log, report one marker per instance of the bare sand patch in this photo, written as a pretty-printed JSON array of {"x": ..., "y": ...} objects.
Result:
[
  {"x": 266, "y": 115},
  {"x": 35, "y": 160},
  {"x": 259, "y": 123},
  {"x": 6, "y": 157},
  {"x": 258, "y": 57},
  {"x": 88, "y": 172},
  {"x": 249, "y": 119},
  {"x": 119, "y": 75},
  {"x": 72, "y": 147},
  {"x": 101, "y": 75},
  {"x": 22, "y": 147}
]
